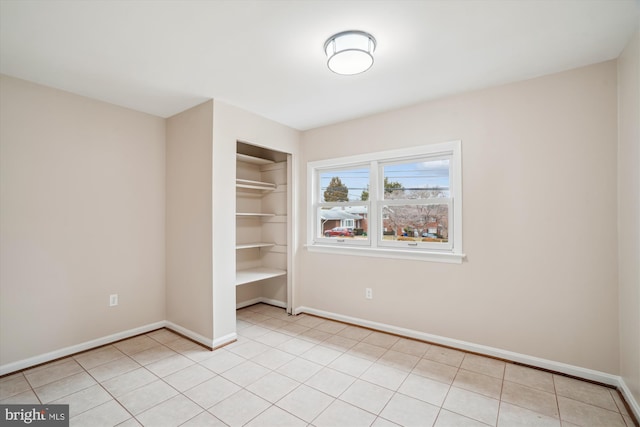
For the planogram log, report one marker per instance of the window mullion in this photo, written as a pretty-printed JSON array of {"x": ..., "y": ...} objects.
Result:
[{"x": 374, "y": 226}]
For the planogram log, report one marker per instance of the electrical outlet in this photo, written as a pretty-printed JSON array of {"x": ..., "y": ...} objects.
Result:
[
  {"x": 368, "y": 293},
  {"x": 113, "y": 300}
]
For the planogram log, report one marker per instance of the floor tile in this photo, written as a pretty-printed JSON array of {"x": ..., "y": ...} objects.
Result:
[
  {"x": 305, "y": 402},
  {"x": 444, "y": 355},
  {"x": 581, "y": 413},
  {"x": 169, "y": 365},
  {"x": 350, "y": 365},
  {"x": 49, "y": 373},
  {"x": 483, "y": 365},
  {"x": 314, "y": 335},
  {"x": 367, "y": 351},
  {"x": 409, "y": 412},
  {"x": 99, "y": 356},
  {"x": 64, "y": 387},
  {"x": 412, "y": 347},
  {"x": 354, "y": 332},
  {"x": 273, "y": 386},
  {"x": 85, "y": 399},
  {"x": 398, "y": 360},
  {"x": 129, "y": 381},
  {"x": 330, "y": 326},
  {"x": 384, "y": 376},
  {"x": 472, "y": 405},
  {"x": 530, "y": 377},
  {"x": 253, "y": 332},
  {"x": 249, "y": 349},
  {"x": 309, "y": 321},
  {"x": 26, "y": 397},
  {"x": 451, "y": 419},
  {"x": 294, "y": 329},
  {"x": 136, "y": 344},
  {"x": 340, "y": 413},
  {"x": 12, "y": 385},
  {"x": 152, "y": 354},
  {"x": 630, "y": 422},
  {"x": 163, "y": 336},
  {"x": 296, "y": 346},
  {"x": 245, "y": 373},
  {"x": 321, "y": 355},
  {"x": 511, "y": 415},
  {"x": 276, "y": 417},
  {"x": 339, "y": 343},
  {"x": 274, "y": 324},
  {"x": 113, "y": 369},
  {"x": 273, "y": 338},
  {"x": 585, "y": 392},
  {"x": 143, "y": 398},
  {"x": 239, "y": 408},
  {"x": 530, "y": 398},
  {"x": 204, "y": 419},
  {"x": 273, "y": 358},
  {"x": 107, "y": 414},
  {"x": 211, "y": 391},
  {"x": 435, "y": 370},
  {"x": 172, "y": 412},
  {"x": 619, "y": 402},
  {"x": 131, "y": 422},
  {"x": 189, "y": 377},
  {"x": 479, "y": 383},
  {"x": 381, "y": 339},
  {"x": 381, "y": 422},
  {"x": 330, "y": 381},
  {"x": 425, "y": 389},
  {"x": 299, "y": 369},
  {"x": 307, "y": 371},
  {"x": 189, "y": 348},
  {"x": 222, "y": 361},
  {"x": 367, "y": 396}
]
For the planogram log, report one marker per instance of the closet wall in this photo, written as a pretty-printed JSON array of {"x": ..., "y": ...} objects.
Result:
[{"x": 202, "y": 146}]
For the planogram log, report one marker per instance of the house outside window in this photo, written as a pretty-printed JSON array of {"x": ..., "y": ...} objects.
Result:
[{"x": 400, "y": 204}]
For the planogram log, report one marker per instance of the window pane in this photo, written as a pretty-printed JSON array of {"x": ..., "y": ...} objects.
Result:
[
  {"x": 420, "y": 223},
  {"x": 344, "y": 185},
  {"x": 416, "y": 180},
  {"x": 344, "y": 221}
]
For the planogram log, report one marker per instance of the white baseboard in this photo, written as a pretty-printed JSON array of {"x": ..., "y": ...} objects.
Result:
[
  {"x": 88, "y": 345},
  {"x": 207, "y": 342},
  {"x": 628, "y": 396},
  {"x": 269, "y": 301},
  {"x": 576, "y": 371},
  {"x": 224, "y": 340}
]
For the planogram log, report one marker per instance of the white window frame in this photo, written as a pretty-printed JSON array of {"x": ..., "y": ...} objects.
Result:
[
  {"x": 320, "y": 239},
  {"x": 450, "y": 252}
]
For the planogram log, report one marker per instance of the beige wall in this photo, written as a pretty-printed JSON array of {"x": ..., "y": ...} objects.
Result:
[
  {"x": 81, "y": 217},
  {"x": 539, "y": 220},
  {"x": 189, "y": 264},
  {"x": 629, "y": 213}
]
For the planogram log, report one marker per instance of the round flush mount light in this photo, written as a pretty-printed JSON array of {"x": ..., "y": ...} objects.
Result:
[{"x": 350, "y": 52}]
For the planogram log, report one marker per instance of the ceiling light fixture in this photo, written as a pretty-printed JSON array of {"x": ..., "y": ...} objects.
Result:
[{"x": 350, "y": 52}]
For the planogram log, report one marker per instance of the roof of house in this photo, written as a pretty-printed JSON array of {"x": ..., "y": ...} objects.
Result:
[{"x": 329, "y": 214}]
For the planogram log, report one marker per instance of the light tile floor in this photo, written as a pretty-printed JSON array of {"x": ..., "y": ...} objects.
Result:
[{"x": 304, "y": 370}]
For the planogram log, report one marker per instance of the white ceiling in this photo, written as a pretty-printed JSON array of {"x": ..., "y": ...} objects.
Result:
[{"x": 266, "y": 56}]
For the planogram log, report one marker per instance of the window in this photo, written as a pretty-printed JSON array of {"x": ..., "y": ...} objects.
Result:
[{"x": 401, "y": 204}]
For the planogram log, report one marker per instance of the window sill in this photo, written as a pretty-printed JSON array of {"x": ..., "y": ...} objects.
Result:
[{"x": 420, "y": 255}]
